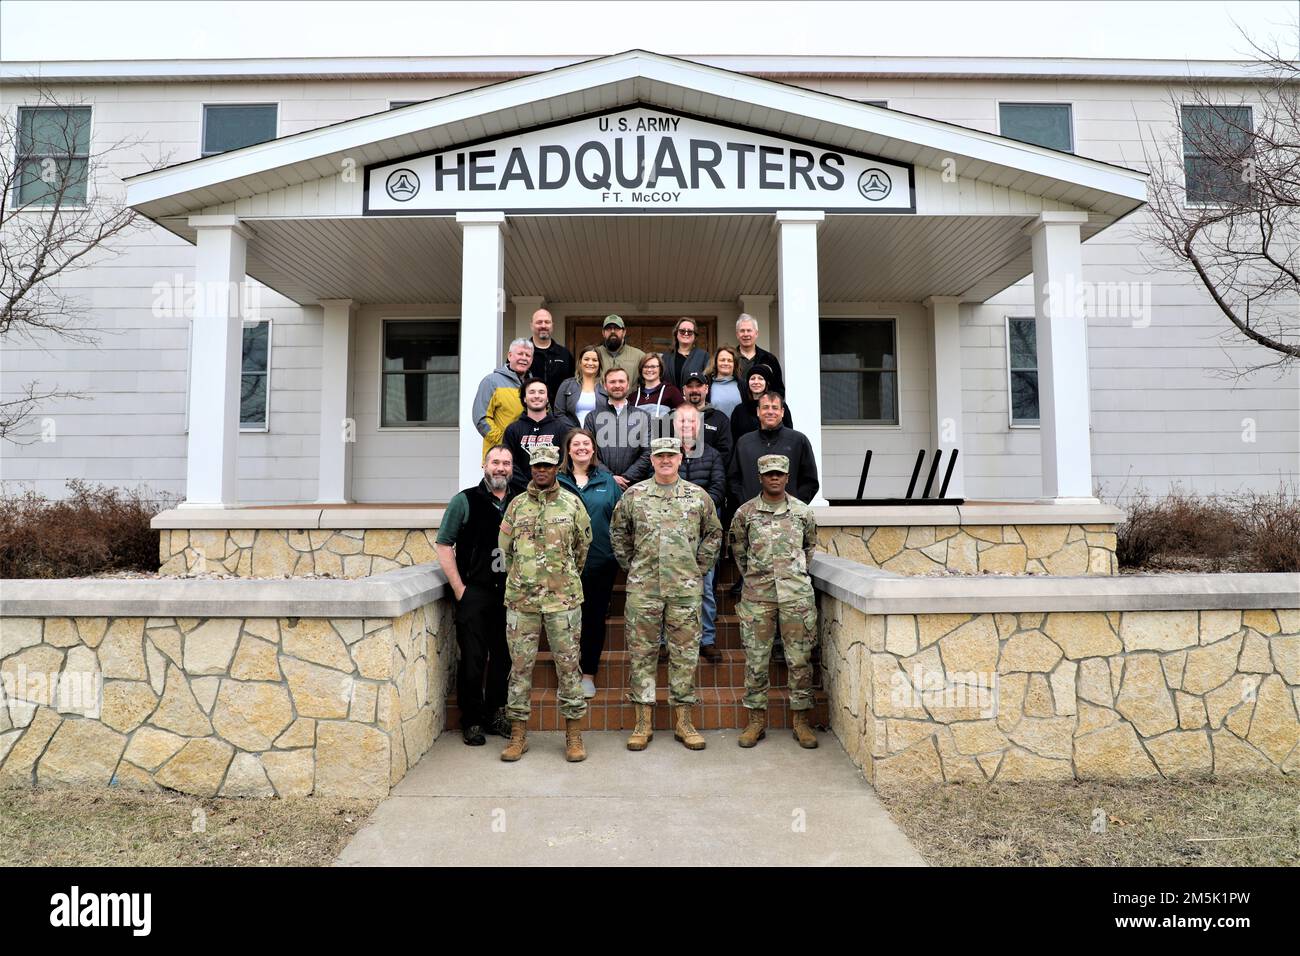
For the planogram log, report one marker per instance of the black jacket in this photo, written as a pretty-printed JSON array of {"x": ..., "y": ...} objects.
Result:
[
  {"x": 743, "y": 477},
  {"x": 622, "y": 438},
  {"x": 717, "y": 432},
  {"x": 522, "y": 436},
  {"x": 744, "y": 419},
  {"x": 696, "y": 361},
  {"x": 702, "y": 466},
  {"x": 761, "y": 357},
  {"x": 552, "y": 365}
]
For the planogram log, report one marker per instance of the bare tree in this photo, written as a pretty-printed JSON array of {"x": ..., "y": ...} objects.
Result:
[
  {"x": 56, "y": 215},
  {"x": 1225, "y": 200}
]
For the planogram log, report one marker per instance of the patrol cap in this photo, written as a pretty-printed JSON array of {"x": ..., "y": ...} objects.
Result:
[
  {"x": 696, "y": 377},
  {"x": 613, "y": 320},
  {"x": 665, "y": 446},
  {"x": 768, "y": 463},
  {"x": 544, "y": 455}
]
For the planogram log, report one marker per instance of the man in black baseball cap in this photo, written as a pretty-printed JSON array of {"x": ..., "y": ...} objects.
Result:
[{"x": 714, "y": 424}]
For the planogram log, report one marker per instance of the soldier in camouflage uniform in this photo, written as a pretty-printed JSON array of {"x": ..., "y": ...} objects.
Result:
[
  {"x": 774, "y": 536},
  {"x": 665, "y": 533},
  {"x": 544, "y": 538}
]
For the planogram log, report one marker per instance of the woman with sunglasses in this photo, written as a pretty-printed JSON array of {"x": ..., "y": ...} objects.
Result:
[{"x": 686, "y": 358}]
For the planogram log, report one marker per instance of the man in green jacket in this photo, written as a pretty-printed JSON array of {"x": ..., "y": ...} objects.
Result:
[
  {"x": 614, "y": 353},
  {"x": 665, "y": 533},
  {"x": 544, "y": 539}
]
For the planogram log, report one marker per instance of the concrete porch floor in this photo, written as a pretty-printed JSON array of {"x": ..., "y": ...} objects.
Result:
[{"x": 773, "y": 805}]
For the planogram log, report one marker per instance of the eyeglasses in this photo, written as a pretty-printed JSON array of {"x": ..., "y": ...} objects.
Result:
[{"x": 685, "y": 331}]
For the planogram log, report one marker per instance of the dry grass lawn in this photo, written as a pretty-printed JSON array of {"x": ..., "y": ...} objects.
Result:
[
  {"x": 61, "y": 827},
  {"x": 1241, "y": 822}
]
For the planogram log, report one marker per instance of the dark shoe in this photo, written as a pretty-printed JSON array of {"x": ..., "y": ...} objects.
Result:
[
  {"x": 778, "y": 652},
  {"x": 473, "y": 735},
  {"x": 663, "y": 652},
  {"x": 501, "y": 724},
  {"x": 710, "y": 653}
]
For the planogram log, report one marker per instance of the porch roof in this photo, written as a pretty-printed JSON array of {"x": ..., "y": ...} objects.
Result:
[{"x": 310, "y": 240}]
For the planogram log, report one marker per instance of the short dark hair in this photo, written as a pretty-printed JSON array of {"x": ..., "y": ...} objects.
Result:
[
  {"x": 497, "y": 447},
  {"x": 523, "y": 389},
  {"x": 615, "y": 368},
  {"x": 773, "y": 393}
]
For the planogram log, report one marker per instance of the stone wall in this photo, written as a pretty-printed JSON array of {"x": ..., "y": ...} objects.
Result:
[
  {"x": 229, "y": 706},
  {"x": 1061, "y": 694},
  {"x": 277, "y": 552},
  {"x": 1058, "y": 549},
  {"x": 356, "y": 553}
]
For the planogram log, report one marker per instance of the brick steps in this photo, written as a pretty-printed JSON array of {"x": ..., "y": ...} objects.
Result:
[
  {"x": 720, "y": 687},
  {"x": 615, "y": 671},
  {"x": 718, "y": 708}
]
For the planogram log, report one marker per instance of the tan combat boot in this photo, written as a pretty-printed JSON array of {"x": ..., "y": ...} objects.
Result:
[
  {"x": 573, "y": 749},
  {"x": 803, "y": 731},
  {"x": 685, "y": 731},
  {"x": 644, "y": 732},
  {"x": 756, "y": 730},
  {"x": 518, "y": 745}
]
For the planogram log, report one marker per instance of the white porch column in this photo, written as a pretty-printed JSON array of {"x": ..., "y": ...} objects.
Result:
[
  {"x": 337, "y": 427},
  {"x": 482, "y": 316},
  {"x": 1059, "y": 323},
  {"x": 525, "y": 306},
  {"x": 798, "y": 316},
  {"x": 217, "y": 358},
  {"x": 945, "y": 396}
]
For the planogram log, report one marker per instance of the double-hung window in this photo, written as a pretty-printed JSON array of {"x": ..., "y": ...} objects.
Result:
[{"x": 53, "y": 156}]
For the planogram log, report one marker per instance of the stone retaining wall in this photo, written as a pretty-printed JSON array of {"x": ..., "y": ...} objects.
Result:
[
  {"x": 252, "y": 706},
  {"x": 1071, "y": 550},
  {"x": 1039, "y": 694},
  {"x": 355, "y": 553},
  {"x": 354, "y": 541},
  {"x": 276, "y": 552}
]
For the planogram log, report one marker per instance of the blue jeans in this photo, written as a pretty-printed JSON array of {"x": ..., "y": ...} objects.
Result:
[{"x": 709, "y": 610}]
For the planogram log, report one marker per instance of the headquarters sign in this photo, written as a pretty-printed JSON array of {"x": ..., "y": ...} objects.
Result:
[{"x": 638, "y": 159}]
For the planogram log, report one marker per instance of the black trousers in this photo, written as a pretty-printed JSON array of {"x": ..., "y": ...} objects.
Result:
[
  {"x": 597, "y": 589},
  {"x": 484, "y": 667}
]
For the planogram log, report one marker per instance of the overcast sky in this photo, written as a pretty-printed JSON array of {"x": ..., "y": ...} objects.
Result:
[{"x": 179, "y": 30}]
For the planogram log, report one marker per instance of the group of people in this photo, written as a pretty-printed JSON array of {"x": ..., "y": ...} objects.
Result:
[{"x": 633, "y": 460}]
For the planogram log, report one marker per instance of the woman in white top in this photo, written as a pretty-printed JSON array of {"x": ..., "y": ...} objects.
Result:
[
  {"x": 578, "y": 395},
  {"x": 724, "y": 392}
]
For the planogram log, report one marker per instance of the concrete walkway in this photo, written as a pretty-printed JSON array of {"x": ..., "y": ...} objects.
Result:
[{"x": 773, "y": 805}]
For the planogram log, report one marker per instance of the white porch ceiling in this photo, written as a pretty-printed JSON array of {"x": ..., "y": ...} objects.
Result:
[{"x": 639, "y": 258}]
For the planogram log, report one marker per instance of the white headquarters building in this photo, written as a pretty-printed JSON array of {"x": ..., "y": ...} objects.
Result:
[{"x": 384, "y": 226}]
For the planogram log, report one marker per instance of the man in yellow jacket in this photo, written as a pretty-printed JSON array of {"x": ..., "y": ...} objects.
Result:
[{"x": 497, "y": 402}]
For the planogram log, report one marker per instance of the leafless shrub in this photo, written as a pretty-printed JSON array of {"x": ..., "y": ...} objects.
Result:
[{"x": 95, "y": 529}]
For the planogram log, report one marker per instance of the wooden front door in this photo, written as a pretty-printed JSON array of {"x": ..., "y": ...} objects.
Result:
[{"x": 649, "y": 333}]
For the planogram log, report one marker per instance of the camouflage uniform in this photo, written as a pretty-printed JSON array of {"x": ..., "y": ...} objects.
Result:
[
  {"x": 666, "y": 537},
  {"x": 774, "y": 545},
  {"x": 544, "y": 540}
]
